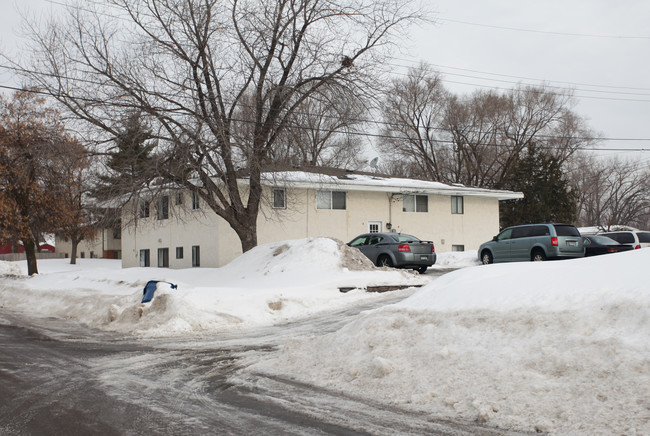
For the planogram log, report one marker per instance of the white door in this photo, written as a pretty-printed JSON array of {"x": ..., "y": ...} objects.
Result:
[{"x": 374, "y": 226}]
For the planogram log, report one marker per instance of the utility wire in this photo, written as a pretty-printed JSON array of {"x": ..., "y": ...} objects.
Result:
[
  {"x": 356, "y": 120},
  {"x": 383, "y": 136}
]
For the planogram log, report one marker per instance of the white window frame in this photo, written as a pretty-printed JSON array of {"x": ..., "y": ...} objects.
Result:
[
  {"x": 325, "y": 200},
  {"x": 374, "y": 224},
  {"x": 276, "y": 203},
  {"x": 417, "y": 206},
  {"x": 457, "y": 204}
]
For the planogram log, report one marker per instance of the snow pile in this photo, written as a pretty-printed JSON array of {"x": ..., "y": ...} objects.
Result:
[
  {"x": 271, "y": 284},
  {"x": 457, "y": 259},
  {"x": 560, "y": 347},
  {"x": 9, "y": 269}
]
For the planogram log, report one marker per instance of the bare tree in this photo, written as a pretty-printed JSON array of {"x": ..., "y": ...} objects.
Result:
[
  {"x": 217, "y": 81},
  {"x": 322, "y": 131},
  {"x": 476, "y": 140},
  {"x": 413, "y": 112},
  {"x": 611, "y": 192}
]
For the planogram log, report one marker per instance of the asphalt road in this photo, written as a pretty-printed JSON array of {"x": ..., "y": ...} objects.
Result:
[{"x": 59, "y": 378}]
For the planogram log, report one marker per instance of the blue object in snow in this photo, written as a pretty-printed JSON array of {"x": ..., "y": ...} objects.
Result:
[{"x": 150, "y": 288}]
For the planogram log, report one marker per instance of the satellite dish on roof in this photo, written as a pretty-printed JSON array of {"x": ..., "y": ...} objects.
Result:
[{"x": 373, "y": 162}]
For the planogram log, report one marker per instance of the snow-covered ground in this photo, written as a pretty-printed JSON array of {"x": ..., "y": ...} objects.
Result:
[
  {"x": 560, "y": 347},
  {"x": 272, "y": 284}
]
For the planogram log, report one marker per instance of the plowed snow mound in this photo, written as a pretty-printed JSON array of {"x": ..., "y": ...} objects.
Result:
[
  {"x": 300, "y": 255},
  {"x": 9, "y": 269}
]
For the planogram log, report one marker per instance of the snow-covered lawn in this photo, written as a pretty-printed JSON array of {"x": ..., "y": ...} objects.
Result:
[
  {"x": 272, "y": 284},
  {"x": 561, "y": 347}
]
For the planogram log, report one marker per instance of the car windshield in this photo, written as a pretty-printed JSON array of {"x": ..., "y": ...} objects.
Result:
[
  {"x": 566, "y": 230},
  {"x": 603, "y": 240}
]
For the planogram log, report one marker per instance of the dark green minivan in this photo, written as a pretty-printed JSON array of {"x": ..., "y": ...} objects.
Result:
[{"x": 533, "y": 242}]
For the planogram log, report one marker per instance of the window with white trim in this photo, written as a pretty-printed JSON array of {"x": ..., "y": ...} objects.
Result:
[
  {"x": 457, "y": 204},
  {"x": 330, "y": 200},
  {"x": 415, "y": 203},
  {"x": 279, "y": 199}
]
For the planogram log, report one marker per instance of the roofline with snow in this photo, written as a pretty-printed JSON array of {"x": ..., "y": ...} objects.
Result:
[{"x": 355, "y": 182}]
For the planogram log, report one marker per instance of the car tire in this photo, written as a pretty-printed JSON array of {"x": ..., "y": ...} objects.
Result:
[
  {"x": 486, "y": 258},
  {"x": 537, "y": 256},
  {"x": 421, "y": 269},
  {"x": 385, "y": 260}
]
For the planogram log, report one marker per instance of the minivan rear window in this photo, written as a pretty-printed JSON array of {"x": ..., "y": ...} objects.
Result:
[
  {"x": 565, "y": 230},
  {"x": 644, "y": 236}
]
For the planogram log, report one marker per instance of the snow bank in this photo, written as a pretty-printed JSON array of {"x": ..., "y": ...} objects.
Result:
[
  {"x": 9, "y": 269},
  {"x": 271, "y": 284},
  {"x": 560, "y": 347}
]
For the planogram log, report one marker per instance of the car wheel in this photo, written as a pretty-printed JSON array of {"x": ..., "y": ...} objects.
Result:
[
  {"x": 538, "y": 256},
  {"x": 421, "y": 269},
  {"x": 486, "y": 258},
  {"x": 385, "y": 261}
]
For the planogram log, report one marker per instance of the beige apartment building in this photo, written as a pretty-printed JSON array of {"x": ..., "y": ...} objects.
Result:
[{"x": 176, "y": 230}]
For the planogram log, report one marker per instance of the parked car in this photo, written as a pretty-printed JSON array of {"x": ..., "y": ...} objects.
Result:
[
  {"x": 636, "y": 238},
  {"x": 397, "y": 250},
  {"x": 597, "y": 244},
  {"x": 534, "y": 242}
]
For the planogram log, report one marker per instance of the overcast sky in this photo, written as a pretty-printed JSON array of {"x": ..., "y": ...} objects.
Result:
[{"x": 598, "y": 48}]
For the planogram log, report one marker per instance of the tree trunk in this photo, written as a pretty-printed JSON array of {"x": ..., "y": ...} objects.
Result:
[
  {"x": 247, "y": 236},
  {"x": 73, "y": 254},
  {"x": 30, "y": 254}
]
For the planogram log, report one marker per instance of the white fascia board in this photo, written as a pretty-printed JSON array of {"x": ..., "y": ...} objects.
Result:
[{"x": 412, "y": 187}]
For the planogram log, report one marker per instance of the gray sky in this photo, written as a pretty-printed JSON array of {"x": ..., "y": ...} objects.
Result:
[{"x": 598, "y": 48}]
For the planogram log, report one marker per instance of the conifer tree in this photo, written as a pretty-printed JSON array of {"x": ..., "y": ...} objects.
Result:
[{"x": 547, "y": 195}]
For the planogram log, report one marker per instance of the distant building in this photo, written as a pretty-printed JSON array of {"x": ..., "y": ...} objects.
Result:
[
  {"x": 106, "y": 244},
  {"x": 176, "y": 230}
]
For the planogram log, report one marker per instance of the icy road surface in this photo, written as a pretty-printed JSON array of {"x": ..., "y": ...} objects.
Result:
[{"x": 58, "y": 378}]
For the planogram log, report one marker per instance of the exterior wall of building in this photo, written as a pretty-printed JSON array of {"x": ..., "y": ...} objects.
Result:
[
  {"x": 103, "y": 245},
  {"x": 301, "y": 218}
]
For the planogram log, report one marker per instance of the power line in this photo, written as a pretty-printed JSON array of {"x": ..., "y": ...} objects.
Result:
[
  {"x": 360, "y": 120},
  {"x": 383, "y": 136},
  {"x": 545, "y": 32}
]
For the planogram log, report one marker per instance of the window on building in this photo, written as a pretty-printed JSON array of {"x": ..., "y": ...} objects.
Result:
[
  {"x": 117, "y": 230},
  {"x": 330, "y": 200},
  {"x": 457, "y": 248},
  {"x": 279, "y": 199},
  {"x": 415, "y": 203},
  {"x": 195, "y": 201},
  {"x": 144, "y": 208},
  {"x": 179, "y": 252},
  {"x": 163, "y": 258},
  {"x": 196, "y": 255},
  {"x": 163, "y": 207},
  {"x": 457, "y": 204},
  {"x": 144, "y": 257}
]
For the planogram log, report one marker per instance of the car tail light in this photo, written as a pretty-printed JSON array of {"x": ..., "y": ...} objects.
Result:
[
  {"x": 404, "y": 248},
  {"x": 637, "y": 247},
  {"x": 433, "y": 248},
  {"x": 611, "y": 250},
  {"x": 554, "y": 242}
]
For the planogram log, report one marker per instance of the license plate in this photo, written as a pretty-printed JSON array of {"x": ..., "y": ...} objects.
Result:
[
  {"x": 572, "y": 243},
  {"x": 424, "y": 257}
]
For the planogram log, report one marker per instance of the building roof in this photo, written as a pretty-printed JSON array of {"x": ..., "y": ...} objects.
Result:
[{"x": 329, "y": 178}]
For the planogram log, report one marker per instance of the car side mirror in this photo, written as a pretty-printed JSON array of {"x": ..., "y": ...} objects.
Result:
[{"x": 494, "y": 238}]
